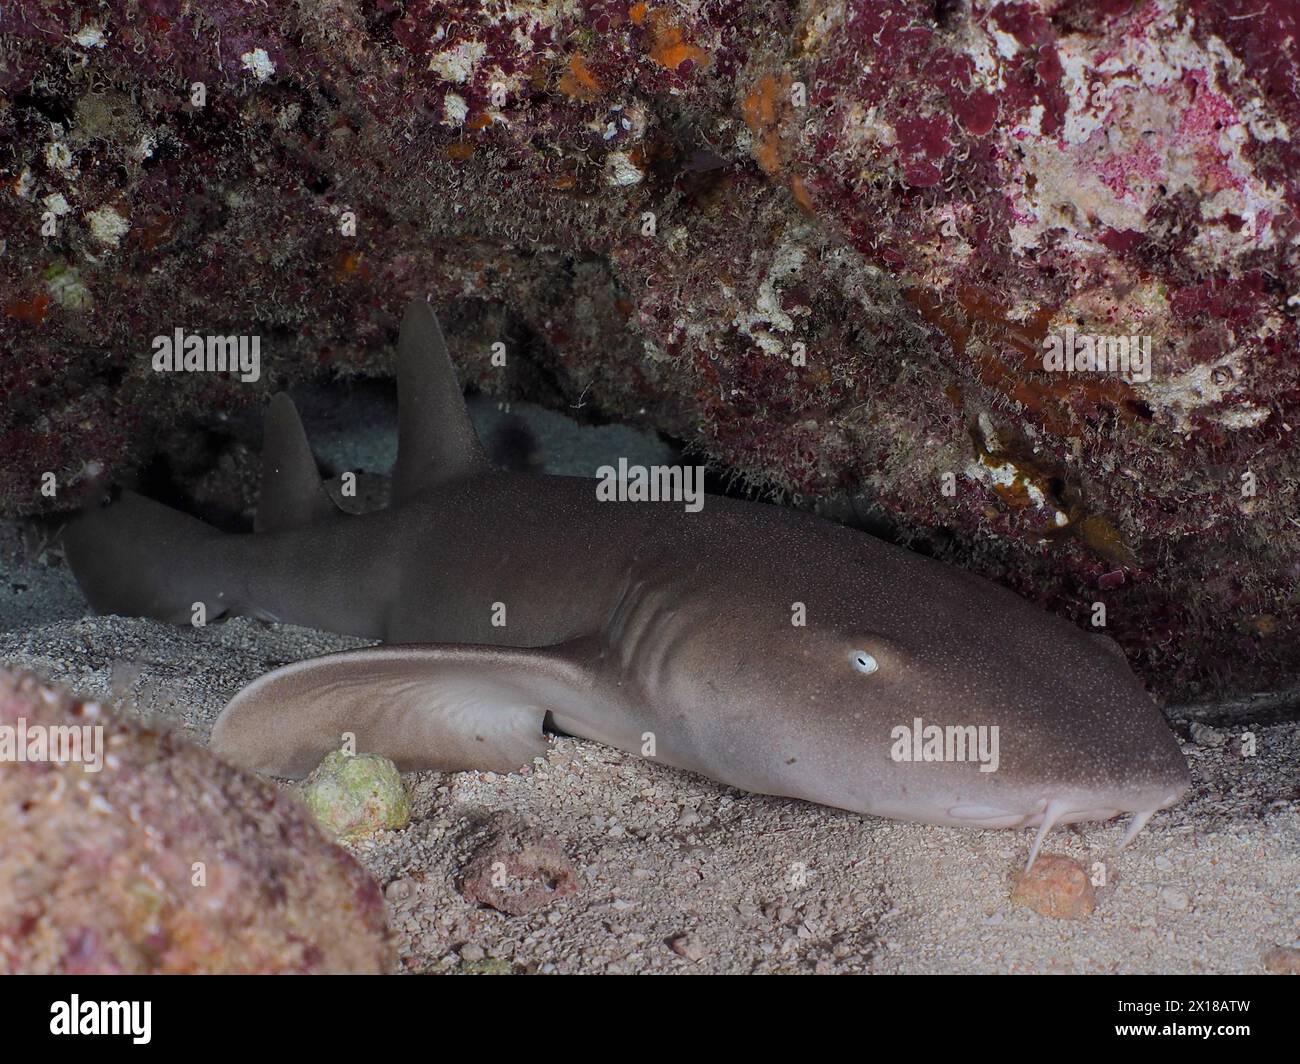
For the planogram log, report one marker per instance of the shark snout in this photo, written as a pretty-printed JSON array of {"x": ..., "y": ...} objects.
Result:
[
  {"x": 1049, "y": 803},
  {"x": 1141, "y": 801}
]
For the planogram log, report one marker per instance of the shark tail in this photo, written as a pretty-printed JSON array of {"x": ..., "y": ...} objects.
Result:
[{"x": 137, "y": 557}]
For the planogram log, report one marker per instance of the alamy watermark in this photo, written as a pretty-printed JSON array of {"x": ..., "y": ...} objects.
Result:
[
  {"x": 60, "y": 743},
  {"x": 1125, "y": 356},
  {"x": 638, "y": 483},
  {"x": 952, "y": 742},
  {"x": 193, "y": 353},
  {"x": 77, "y": 1017}
]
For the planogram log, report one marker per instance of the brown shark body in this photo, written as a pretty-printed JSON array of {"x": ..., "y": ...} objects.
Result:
[{"x": 759, "y": 646}]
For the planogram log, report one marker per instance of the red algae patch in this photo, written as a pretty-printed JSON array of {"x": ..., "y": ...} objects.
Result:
[{"x": 1056, "y": 886}]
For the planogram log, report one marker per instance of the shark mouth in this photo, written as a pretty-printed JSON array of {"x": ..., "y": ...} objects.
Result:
[
  {"x": 1051, "y": 813},
  {"x": 1058, "y": 811}
]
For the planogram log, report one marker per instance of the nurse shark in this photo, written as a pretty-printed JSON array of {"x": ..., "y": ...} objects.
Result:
[{"x": 759, "y": 646}]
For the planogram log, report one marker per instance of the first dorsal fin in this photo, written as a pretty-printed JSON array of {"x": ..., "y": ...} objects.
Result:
[
  {"x": 435, "y": 438},
  {"x": 292, "y": 493}
]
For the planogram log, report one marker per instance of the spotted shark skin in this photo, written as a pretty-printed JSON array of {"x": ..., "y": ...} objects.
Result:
[{"x": 513, "y": 602}]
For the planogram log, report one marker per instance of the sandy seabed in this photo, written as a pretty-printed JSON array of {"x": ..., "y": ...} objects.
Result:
[{"x": 677, "y": 873}]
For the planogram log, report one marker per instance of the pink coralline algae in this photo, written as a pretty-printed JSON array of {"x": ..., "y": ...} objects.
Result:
[
  {"x": 516, "y": 869},
  {"x": 163, "y": 858},
  {"x": 822, "y": 244}
]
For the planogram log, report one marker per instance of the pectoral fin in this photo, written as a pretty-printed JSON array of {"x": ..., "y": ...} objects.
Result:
[{"x": 446, "y": 708}]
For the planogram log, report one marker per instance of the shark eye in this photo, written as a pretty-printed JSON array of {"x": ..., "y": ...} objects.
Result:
[{"x": 864, "y": 662}]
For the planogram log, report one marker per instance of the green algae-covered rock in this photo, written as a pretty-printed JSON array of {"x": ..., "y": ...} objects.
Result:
[{"x": 351, "y": 794}]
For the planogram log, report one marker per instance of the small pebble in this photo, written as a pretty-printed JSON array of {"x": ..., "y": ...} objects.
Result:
[
  {"x": 1282, "y": 960},
  {"x": 686, "y": 946},
  {"x": 1204, "y": 735}
]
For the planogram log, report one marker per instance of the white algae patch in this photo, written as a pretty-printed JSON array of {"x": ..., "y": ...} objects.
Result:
[
  {"x": 258, "y": 63},
  {"x": 107, "y": 226},
  {"x": 90, "y": 36}
]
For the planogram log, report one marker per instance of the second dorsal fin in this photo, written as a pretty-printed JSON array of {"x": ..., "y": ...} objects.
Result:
[
  {"x": 435, "y": 439},
  {"x": 292, "y": 493}
]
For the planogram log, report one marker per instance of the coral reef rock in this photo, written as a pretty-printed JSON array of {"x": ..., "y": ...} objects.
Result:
[
  {"x": 140, "y": 852},
  {"x": 830, "y": 245},
  {"x": 1056, "y": 886}
]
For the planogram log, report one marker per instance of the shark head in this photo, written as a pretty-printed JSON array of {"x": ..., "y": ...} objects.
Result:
[{"x": 891, "y": 684}]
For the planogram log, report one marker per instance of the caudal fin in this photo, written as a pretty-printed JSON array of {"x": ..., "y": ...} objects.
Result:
[{"x": 139, "y": 558}]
